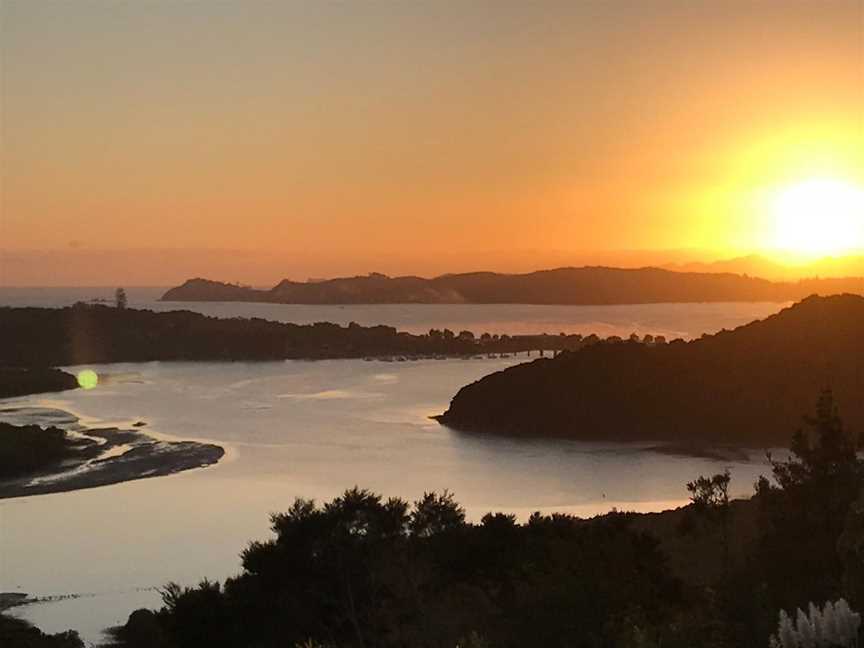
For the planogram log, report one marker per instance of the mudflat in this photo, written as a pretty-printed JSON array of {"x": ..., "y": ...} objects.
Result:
[{"x": 104, "y": 456}]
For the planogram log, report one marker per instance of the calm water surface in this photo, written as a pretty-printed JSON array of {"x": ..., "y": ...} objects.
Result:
[{"x": 313, "y": 429}]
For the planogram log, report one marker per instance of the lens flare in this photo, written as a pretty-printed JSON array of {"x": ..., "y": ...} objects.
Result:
[{"x": 88, "y": 379}]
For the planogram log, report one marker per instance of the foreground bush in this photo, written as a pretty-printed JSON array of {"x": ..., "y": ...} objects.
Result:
[
  {"x": 365, "y": 571},
  {"x": 16, "y": 633},
  {"x": 834, "y": 625}
]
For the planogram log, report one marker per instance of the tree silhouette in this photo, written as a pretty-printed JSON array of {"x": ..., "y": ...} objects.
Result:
[
  {"x": 711, "y": 497},
  {"x": 806, "y": 512}
]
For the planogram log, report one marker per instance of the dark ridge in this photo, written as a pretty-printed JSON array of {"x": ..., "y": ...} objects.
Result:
[
  {"x": 576, "y": 286},
  {"x": 741, "y": 387}
]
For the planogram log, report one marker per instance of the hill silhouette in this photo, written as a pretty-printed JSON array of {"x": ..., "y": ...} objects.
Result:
[
  {"x": 578, "y": 286},
  {"x": 741, "y": 387},
  {"x": 756, "y": 265}
]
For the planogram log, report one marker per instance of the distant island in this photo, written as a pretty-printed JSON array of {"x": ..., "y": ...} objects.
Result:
[
  {"x": 574, "y": 286},
  {"x": 741, "y": 387}
]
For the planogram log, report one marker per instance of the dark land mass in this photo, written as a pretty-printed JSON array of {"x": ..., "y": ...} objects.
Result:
[
  {"x": 29, "y": 449},
  {"x": 98, "y": 334},
  {"x": 15, "y": 633},
  {"x": 36, "y": 460},
  {"x": 23, "y": 381},
  {"x": 741, "y": 387},
  {"x": 577, "y": 286}
]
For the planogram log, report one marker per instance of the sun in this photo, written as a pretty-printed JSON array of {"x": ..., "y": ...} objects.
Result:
[{"x": 819, "y": 217}]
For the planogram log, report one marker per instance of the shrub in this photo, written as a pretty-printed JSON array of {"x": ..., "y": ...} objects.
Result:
[{"x": 834, "y": 625}]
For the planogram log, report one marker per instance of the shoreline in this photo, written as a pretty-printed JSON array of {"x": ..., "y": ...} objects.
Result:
[
  {"x": 692, "y": 449},
  {"x": 112, "y": 456}
]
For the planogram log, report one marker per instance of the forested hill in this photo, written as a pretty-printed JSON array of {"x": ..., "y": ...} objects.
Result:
[
  {"x": 747, "y": 386},
  {"x": 589, "y": 285}
]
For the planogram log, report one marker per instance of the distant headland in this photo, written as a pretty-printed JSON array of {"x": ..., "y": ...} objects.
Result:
[
  {"x": 741, "y": 387},
  {"x": 573, "y": 286}
]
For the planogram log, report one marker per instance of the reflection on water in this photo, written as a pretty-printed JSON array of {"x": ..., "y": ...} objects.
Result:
[{"x": 293, "y": 429}]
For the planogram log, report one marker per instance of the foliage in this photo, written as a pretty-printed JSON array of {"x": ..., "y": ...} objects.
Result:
[
  {"x": 362, "y": 570},
  {"x": 834, "y": 625},
  {"x": 710, "y": 496},
  {"x": 850, "y": 546},
  {"x": 824, "y": 454},
  {"x": 711, "y": 492},
  {"x": 15, "y": 633},
  {"x": 807, "y": 511}
]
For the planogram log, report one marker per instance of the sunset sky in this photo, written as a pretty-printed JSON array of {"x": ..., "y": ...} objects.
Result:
[{"x": 257, "y": 140}]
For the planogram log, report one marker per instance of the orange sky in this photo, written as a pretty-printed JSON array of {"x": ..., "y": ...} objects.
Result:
[{"x": 313, "y": 139}]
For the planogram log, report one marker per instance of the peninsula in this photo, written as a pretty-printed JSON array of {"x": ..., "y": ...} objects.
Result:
[
  {"x": 25, "y": 380},
  {"x": 742, "y": 387}
]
